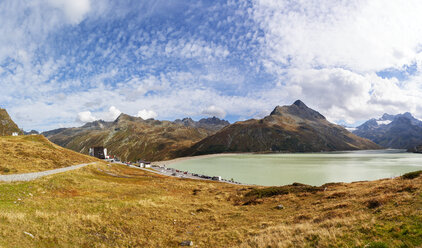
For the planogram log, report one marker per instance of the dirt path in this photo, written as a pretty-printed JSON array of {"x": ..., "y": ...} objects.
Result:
[{"x": 34, "y": 175}]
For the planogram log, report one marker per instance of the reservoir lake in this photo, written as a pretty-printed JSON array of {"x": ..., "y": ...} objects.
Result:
[{"x": 308, "y": 168}]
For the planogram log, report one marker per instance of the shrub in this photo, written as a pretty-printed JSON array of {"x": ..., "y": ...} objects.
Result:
[
  {"x": 373, "y": 203},
  {"x": 412, "y": 175},
  {"x": 282, "y": 190},
  {"x": 267, "y": 192}
]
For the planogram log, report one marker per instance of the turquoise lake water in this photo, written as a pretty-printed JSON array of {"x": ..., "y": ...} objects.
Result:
[{"x": 307, "y": 168}]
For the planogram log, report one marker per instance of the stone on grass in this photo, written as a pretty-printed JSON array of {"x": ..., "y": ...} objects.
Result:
[
  {"x": 280, "y": 206},
  {"x": 186, "y": 243}
]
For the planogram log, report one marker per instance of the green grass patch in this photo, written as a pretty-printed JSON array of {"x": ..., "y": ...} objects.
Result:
[{"x": 13, "y": 193}]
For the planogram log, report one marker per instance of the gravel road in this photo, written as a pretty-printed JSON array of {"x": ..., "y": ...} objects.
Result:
[{"x": 34, "y": 175}]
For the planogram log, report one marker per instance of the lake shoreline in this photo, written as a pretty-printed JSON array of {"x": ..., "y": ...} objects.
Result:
[{"x": 182, "y": 159}]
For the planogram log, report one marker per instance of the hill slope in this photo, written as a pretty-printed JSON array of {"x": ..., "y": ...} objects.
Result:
[
  {"x": 132, "y": 138},
  {"x": 34, "y": 153},
  {"x": 118, "y": 206},
  {"x": 294, "y": 128},
  {"x": 7, "y": 126},
  {"x": 401, "y": 131}
]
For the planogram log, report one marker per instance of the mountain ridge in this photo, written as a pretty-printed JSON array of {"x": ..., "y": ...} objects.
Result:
[
  {"x": 133, "y": 138},
  {"x": 292, "y": 128},
  {"x": 401, "y": 131}
]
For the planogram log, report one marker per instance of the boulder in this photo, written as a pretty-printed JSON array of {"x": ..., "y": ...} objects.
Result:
[{"x": 186, "y": 243}]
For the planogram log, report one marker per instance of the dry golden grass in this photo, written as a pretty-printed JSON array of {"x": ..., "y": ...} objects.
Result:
[
  {"x": 117, "y": 206},
  {"x": 33, "y": 153}
]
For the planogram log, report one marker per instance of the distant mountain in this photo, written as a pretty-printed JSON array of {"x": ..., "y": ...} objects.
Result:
[
  {"x": 7, "y": 126},
  {"x": 212, "y": 124},
  {"x": 32, "y": 132},
  {"x": 132, "y": 138},
  {"x": 294, "y": 128},
  {"x": 402, "y": 131}
]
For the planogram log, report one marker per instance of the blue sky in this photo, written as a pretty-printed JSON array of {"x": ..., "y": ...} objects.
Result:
[{"x": 66, "y": 62}]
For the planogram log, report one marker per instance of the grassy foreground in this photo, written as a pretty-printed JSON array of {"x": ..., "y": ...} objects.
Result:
[
  {"x": 22, "y": 154},
  {"x": 115, "y": 206}
]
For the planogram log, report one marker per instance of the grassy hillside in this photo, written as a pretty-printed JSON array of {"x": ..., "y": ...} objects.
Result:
[
  {"x": 33, "y": 153},
  {"x": 115, "y": 206}
]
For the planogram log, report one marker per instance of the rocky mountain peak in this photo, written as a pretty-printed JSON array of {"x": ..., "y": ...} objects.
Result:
[
  {"x": 213, "y": 121},
  {"x": 187, "y": 121},
  {"x": 212, "y": 124},
  {"x": 277, "y": 110},
  {"x": 125, "y": 117},
  {"x": 95, "y": 124},
  {"x": 386, "y": 116},
  {"x": 298, "y": 108},
  {"x": 408, "y": 115},
  {"x": 300, "y": 104}
]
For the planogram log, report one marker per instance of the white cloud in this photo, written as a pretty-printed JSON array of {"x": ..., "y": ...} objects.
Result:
[
  {"x": 194, "y": 48},
  {"x": 75, "y": 10},
  {"x": 214, "y": 111},
  {"x": 361, "y": 35},
  {"x": 146, "y": 114},
  {"x": 343, "y": 95},
  {"x": 85, "y": 117},
  {"x": 328, "y": 52},
  {"x": 112, "y": 114},
  {"x": 325, "y": 53}
]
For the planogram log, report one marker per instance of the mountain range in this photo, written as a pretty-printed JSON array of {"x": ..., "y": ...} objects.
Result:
[
  {"x": 294, "y": 128},
  {"x": 132, "y": 138},
  {"x": 7, "y": 126},
  {"x": 402, "y": 131}
]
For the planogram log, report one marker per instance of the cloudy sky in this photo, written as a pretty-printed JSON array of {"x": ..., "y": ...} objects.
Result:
[{"x": 66, "y": 62}]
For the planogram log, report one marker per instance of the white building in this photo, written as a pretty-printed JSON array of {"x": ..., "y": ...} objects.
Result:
[
  {"x": 144, "y": 164},
  {"x": 15, "y": 134},
  {"x": 98, "y": 152}
]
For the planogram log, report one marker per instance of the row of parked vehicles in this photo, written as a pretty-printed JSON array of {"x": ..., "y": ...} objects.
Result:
[
  {"x": 179, "y": 172},
  {"x": 207, "y": 177}
]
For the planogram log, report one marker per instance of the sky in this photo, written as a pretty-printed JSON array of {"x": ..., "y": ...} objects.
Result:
[{"x": 67, "y": 62}]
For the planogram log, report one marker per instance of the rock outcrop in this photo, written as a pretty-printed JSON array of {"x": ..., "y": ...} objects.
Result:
[{"x": 7, "y": 126}]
